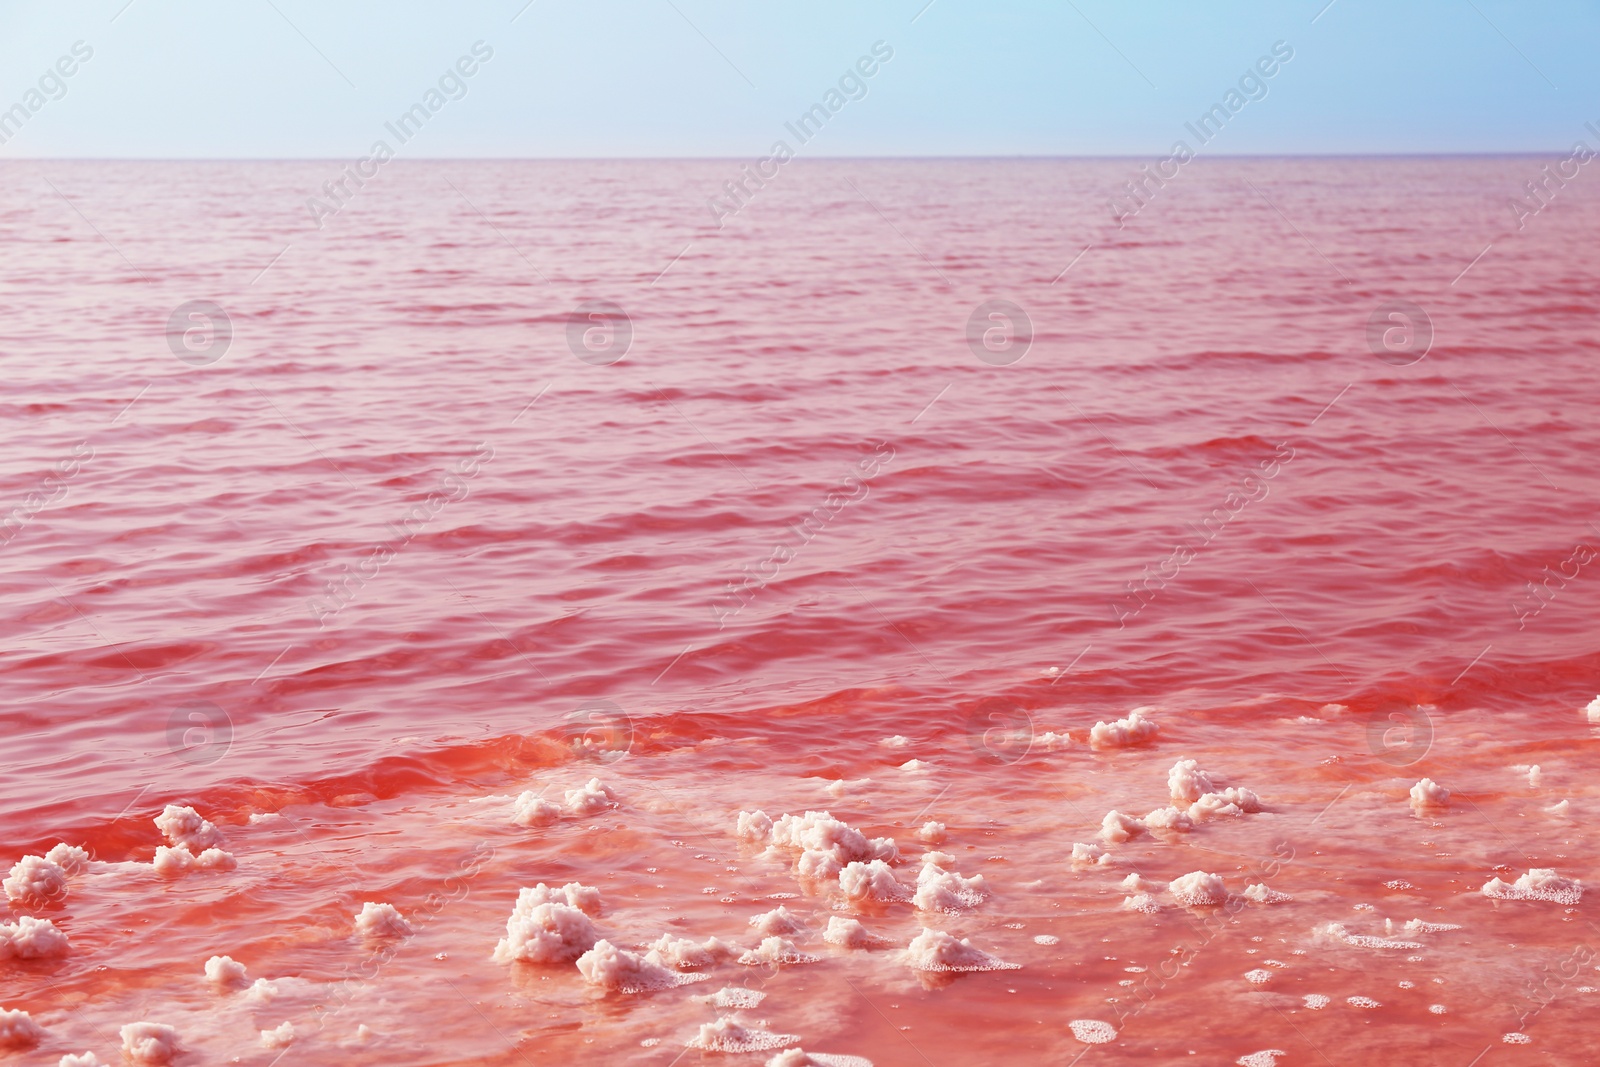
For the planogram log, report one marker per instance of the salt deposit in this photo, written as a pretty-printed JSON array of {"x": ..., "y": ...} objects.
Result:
[
  {"x": 1135, "y": 884},
  {"x": 532, "y": 810},
  {"x": 779, "y": 920},
  {"x": 85, "y": 1059},
  {"x": 381, "y": 920},
  {"x": 586, "y": 898},
  {"x": 153, "y": 1043},
  {"x": 1231, "y": 801},
  {"x": 70, "y": 858},
  {"x": 1141, "y": 902},
  {"x": 32, "y": 939},
  {"x": 1093, "y": 1031},
  {"x": 733, "y": 996},
  {"x": 1187, "y": 783},
  {"x": 1515, "y": 1038},
  {"x": 1089, "y": 853},
  {"x": 1417, "y": 926},
  {"x": 1261, "y": 894},
  {"x": 932, "y": 833},
  {"x": 1429, "y": 794},
  {"x": 682, "y": 953},
  {"x": 849, "y": 933},
  {"x": 1198, "y": 888},
  {"x": 776, "y": 950},
  {"x": 818, "y": 866},
  {"x": 35, "y": 880},
  {"x": 281, "y": 1037},
  {"x": 613, "y": 968},
  {"x": 935, "y": 950},
  {"x": 1259, "y": 976},
  {"x": 897, "y": 741},
  {"x": 223, "y": 972},
  {"x": 1535, "y": 776},
  {"x": 916, "y": 765},
  {"x": 1267, "y": 1057},
  {"x": 795, "y": 1057},
  {"x": 261, "y": 991},
  {"x": 1052, "y": 741},
  {"x": 177, "y": 859},
  {"x": 1169, "y": 818},
  {"x": 947, "y": 891},
  {"x": 1046, "y": 939},
  {"x": 186, "y": 827},
  {"x": 544, "y": 932},
  {"x": 1134, "y": 730},
  {"x": 1541, "y": 883},
  {"x": 754, "y": 826},
  {"x": 820, "y": 832},
  {"x": 1593, "y": 710},
  {"x": 1316, "y": 1001},
  {"x": 18, "y": 1030},
  {"x": 1362, "y": 1002},
  {"x": 590, "y": 798},
  {"x": 870, "y": 881},
  {"x": 1338, "y": 932},
  {"x": 728, "y": 1034},
  {"x": 1561, "y": 808},
  {"x": 1438, "y": 1009},
  {"x": 1117, "y": 828}
]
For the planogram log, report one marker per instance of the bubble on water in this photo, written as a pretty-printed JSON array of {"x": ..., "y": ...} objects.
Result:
[
  {"x": 1515, "y": 1038},
  {"x": 1316, "y": 1001},
  {"x": 1258, "y": 976},
  {"x": 1362, "y": 1002},
  {"x": 1437, "y": 1009}
]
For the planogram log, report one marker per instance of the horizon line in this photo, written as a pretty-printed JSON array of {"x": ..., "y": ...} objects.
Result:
[{"x": 1015, "y": 156}]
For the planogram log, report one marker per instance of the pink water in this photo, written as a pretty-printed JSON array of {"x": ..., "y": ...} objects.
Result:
[{"x": 563, "y": 605}]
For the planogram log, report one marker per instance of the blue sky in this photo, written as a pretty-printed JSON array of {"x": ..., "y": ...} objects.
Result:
[{"x": 298, "y": 79}]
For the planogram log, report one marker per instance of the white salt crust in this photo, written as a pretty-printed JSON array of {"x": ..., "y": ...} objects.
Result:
[
  {"x": 1136, "y": 884},
  {"x": 897, "y": 741},
  {"x": 1338, "y": 932},
  {"x": 795, "y": 1057},
  {"x": 590, "y": 798},
  {"x": 1540, "y": 883},
  {"x": 849, "y": 933},
  {"x": 1117, "y": 828},
  {"x": 1198, "y": 888},
  {"x": 1232, "y": 801},
  {"x": 32, "y": 939},
  {"x": 586, "y": 898},
  {"x": 1052, "y": 741},
  {"x": 1093, "y": 1031},
  {"x": 1515, "y": 1038},
  {"x": 776, "y": 950},
  {"x": 682, "y": 953},
  {"x": 819, "y": 831},
  {"x": 1362, "y": 1002},
  {"x": 151, "y": 1043},
  {"x": 1316, "y": 1001},
  {"x": 83, "y": 1059},
  {"x": 381, "y": 920},
  {"x": 1141, "y": 902},
  {"x": 70, "y": 858},
  {"x": 541, "y": 931},
  {"x": 1187, "y": 783},
  {"x": 1418, "y": 926},
  {"x": 178, "y": 859},
  {"x": 1259, "y": 976},
  {"x": 225, "y": 973},
  {"x": 946, "y": 891},
  {"x": 280, "y": 1037},
  {"x": 935, "y": 950},
  {"x": 754, "y": 826},
  {"x": 18, "y": 1030},
  {"x": 818, "y": 866},
  {"x": 1429, "y": 794},
  {"x": 870, "y": 881},
  {"x": 34, "y": 880},
  {"x": 1046, "y": 939},
  {"x": 188, "y": 828},
  {"x": 1089, "y": 853},
  {"x": 1262, "y": 894},
  {"x": 932, "y": 833},
  {"x": 1593, "y": 710},
  {"x": 1561, "y": 808},
  {"x": 1121, "y": 733},
  {"x": 532, "y": 810},
  {"x": 618, "y": 970},
  {"x": 916, "y": 765},
  {"x": 779, "y": 920},
  {"x": 1169, "y": 818},
  {"x": 727, "y": 1034},
  {"x": 733, "y": 996}
]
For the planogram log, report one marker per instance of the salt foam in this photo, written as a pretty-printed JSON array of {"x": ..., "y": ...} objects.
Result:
[
  {"x": 34, "y": 880},
  {"x": 870, "y": 881},
  {"x": 32, "y": 939},
  {"x": 619, "y": 970},
  {"x": 795, "y": 1057},
  {"x": 1187, "y": 782},
  {"x": 733, "y": 996},
  {"x": 1117, "y": 828},
  {"x": 935, "y": 950},
  {"x": 849, "y": 933},
  {"x": 153, "y": 1043},
  {"x": 70, "y": 858},
  {"x": 381, "y": 920},
  {"x": 1338, "y": 932},
  {"x": 18, "y": 1030},
  {"x": 544, "y": 932},
  {"x": 1267, "y": 1057},
  {"x": 177, "y": 859},
  {"x": 728, "y": 1034},
  {"x": 932, "y": 833},
  {"x": 590, "y": 798},
  {"x": 280, "y": 1037},
  {"x": 188, "y": 828},
  {"x": 1541, "y": 883},
  {"x": 947, "y": 891},
  {"x": 1429, "y": 794},
  {"x": 1093, "y": 1031},
  {"x": 776, "y": 950},
  {"x": 85, "y": 1059},
  {"x": 779, "y": 920},
  {"x": 224, "y": 973},
  {"x": 683, "y": 953},
  {"x": 1198, "y": 888},
  {"x": 532, "y": 810},
  {"x": 1262, "y": 894},
  {"x": 1134, "y": 730}
]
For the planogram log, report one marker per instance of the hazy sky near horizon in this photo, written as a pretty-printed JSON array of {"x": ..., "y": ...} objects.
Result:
[{"x": 584, "y": 78}]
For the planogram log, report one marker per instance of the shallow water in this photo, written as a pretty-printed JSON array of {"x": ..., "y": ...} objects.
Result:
[{"x": 992, "y": 553}]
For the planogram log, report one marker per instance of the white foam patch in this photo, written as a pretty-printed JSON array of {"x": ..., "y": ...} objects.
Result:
[
  {"x": 586, "y": 898},
  {"x": 1417, "y": 926},
  {"x": 776, "y": 950},
  {"x": 1592, "y": 712},
  {"x": 733, "y": 996},
  {"x": 1429, "y": 794},
  {"x": 1198, "y": 888},
  {"x": 818, "y": 831},
  {"x": 1117, "y": 828},
  {"x": 1541, "y": 883},
  {"x": 795, "y": 1057},
  {"x": 1093, "y": 1031},
  {"x": 932, "y": 833},
  {"x": 83, "y": 1059},
  {"x": 532, "y": 810},
  {"x": 280, "y": 1037},
  {"x": 226, "y": 973},
  {"x": 1267, "y": 1057},
  {"x": 1121, "y": 733},
  {"x": 897, "y": 741},
  {"x": 1187, "y": 783},
  {"x": 544, "y": 932},
  {"x": 849, "y": 933},
  {"x": 1338, "y": 932},
  {"x": 682, "y": 953},
  {"x": 1560, "y": 809},
  {"x": 149, "y": 1043},
  {"x": 1438, "y": 1009},
  {"x": 618, "y": 970},
  {"x": 779, "y": 920},
  {"x": 1515, "y": 1038},
  {"x": 753, "y": 826},
  {"x": 1233, "y": 801},
  {"x": 178, "y": 859},
  {"x": 728, "y": 1034},
  {"x": 946, "y": 891},
  {"x": 1169, "y": 818},
  {"x": 935, "y": 950},
  {"x": 1141, "y": 902},
  {"x": 1046, "y": 939},
  {"x": 188, "y": 828},
  {"x": 870, "y": 881},
  {"x": 1262, "y": 894},
  {"x": 1258, "y": 976},
  {"x": 381, "y": 920},
  {"x": 32, "y": 939},
  {"x": 18, "y": 1030},
  {"x": 1362, "y": 1002},
  {"x": 70, "y": 858},
  {"x": 1083, "y": 853},
  {"x": 1316, "y": 1001}
]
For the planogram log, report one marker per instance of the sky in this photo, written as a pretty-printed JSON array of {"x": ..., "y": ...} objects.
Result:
[{"x": 700, "y": 78}]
